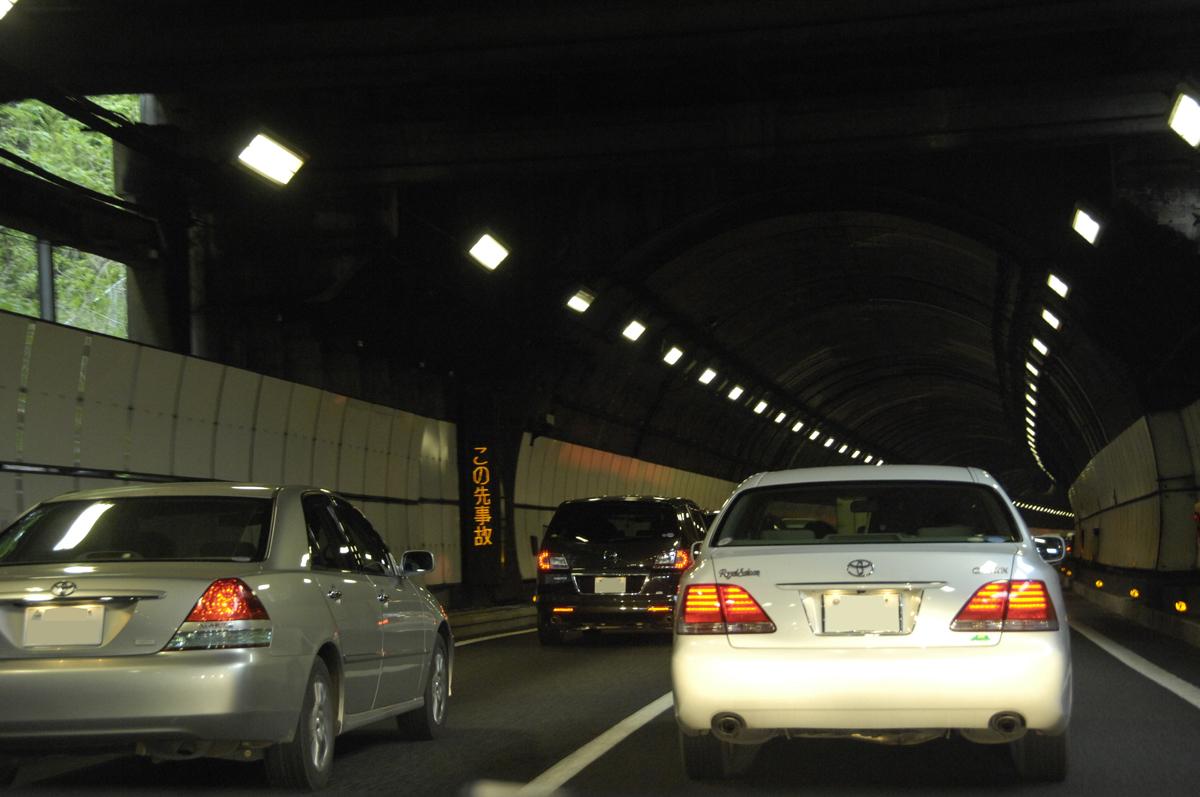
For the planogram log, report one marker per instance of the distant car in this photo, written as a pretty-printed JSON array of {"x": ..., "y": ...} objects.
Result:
[
  {"x": 893, "y": 604},
  {"x": 232, "y": 621},
  {"x": 613, "y": 563}
]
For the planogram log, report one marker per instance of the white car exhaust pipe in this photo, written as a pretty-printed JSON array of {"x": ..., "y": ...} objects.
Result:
[{"x": 728, "y": 726}]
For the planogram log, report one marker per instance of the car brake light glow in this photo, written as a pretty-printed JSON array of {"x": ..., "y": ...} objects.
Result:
[
  {"x": 551, "y": 561},
  {"x": 683, "y": 559},
  {"x": 721, "y": 609},
  {"x": 227, "y": 615},
  {"x": 674, "y": 559},
  {"x": 1008, "y": 606}
]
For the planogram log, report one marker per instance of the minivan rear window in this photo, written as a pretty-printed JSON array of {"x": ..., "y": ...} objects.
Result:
[
  {"x": 608, "y": 521},
  {"x": 865, "y": 513},
  {"x": 154, "y": 528}
]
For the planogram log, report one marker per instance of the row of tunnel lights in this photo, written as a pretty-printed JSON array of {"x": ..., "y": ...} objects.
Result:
[
  {"x": 1061, "y": 289},
  {"x": 582, "y": 299}
]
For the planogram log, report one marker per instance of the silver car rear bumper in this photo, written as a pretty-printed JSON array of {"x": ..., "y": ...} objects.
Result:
[{"x": 239, "y": 695}]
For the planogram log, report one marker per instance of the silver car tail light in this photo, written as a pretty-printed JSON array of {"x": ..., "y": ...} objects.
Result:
[
  {"x": 721, "y": 609},
  {"x": 1008, "y": 606},
  {"x": 228, "y": 615}
]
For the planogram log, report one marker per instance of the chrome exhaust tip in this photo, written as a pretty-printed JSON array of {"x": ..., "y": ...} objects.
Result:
[
  {"x": 728, "y": 726},
  {"x": 1009, "y": 723}
]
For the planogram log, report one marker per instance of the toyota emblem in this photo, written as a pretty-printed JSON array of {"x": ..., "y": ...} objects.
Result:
[
  {"x": 860, "y": 568},
  {"x": 63, "y": 588}
]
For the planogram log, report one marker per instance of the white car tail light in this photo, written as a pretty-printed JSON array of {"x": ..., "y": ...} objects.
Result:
[
  {"x": 721, "y": 609},
  {"x": 228, "y": 615},
  {"x": 1008, "y": 606}
]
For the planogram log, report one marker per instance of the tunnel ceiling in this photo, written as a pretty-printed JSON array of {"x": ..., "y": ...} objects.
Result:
[{"x": 849, "y": 209}]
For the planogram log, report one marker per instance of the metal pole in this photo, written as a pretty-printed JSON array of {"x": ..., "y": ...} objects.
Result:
[{"x": 45, "y": 263}]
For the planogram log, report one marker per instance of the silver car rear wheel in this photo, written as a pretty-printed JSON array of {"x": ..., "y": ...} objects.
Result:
[
  {"x": 306, "y": 762},
  {"x": 428, "y": 721}
]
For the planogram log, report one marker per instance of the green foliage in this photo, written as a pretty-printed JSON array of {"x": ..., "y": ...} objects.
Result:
[{"x": 89, "y": 290}]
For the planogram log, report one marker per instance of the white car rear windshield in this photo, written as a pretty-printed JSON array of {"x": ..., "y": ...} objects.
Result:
[
  {"x": 867, "y": 513},
  {"x": 151, "y": 528}
]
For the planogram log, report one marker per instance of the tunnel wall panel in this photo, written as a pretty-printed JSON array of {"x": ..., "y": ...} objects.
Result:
[{"x": 76, "y": 406}]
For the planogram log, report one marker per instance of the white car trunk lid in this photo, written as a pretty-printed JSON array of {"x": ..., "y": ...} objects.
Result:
[{"x": 863, "y": 596}]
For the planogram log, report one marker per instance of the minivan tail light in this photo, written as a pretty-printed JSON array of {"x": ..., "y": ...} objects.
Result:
[
  {"x": 551, "y": 561},
  {"x": 1008, "y": 606},
  {"x": 227, "y": 615},
  {"x": 721, "y": 609},
  {"x": 674, "y": 559}
]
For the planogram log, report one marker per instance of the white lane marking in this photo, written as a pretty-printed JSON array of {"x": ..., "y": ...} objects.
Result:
[
  {"x": 493, "y": 636},
  {"x": 1166, "y": 680},
  {"x": 572, "y": 765}
]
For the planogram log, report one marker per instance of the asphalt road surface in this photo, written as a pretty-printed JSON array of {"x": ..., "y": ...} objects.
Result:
[{"x": 528, "y": 717}]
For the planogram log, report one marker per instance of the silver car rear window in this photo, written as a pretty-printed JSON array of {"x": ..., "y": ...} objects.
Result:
[
  {"x": 142, "y": 528},
  {"x": 867, "y": 513}
]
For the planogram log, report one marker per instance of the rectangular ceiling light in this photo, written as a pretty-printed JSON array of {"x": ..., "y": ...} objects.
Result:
[
  {"x": 1042, "y": 349},
  {"x": 6, "y": 6},
  {"x": 760, "y": 407},
  {"x": 815, "y": 434},
  {"x": 797, "y": 426},
  {"x": 1184, "y": 118},
  {"x": 781, "y": 417},
  {"x": 856, "y": 454},
  {"x": 1087, "y": 227},
  {"x": 1051, "y": 319},
  {"x": 1031, "y": 368},
  {"x": 488, "y": 252},
  {"x": 867, "y": 459},
  {"x": 1058, "y": 286},
  {"x": 581, "y": 301},
  {"x": 828, "y": 442},
  {"x": 708, "y": 376},
  {"x": 842, "y": 450},
  {"x": 672, "y": 356},
  {"x": 1030, "y": 399},
  {"x": 634, "y": 330},
  {"x": 1029, "y": 421},
  {"x": 272, "y": 160},
  {"x": 736, "y": 393},
  {"x": 1030, "y": 411},
  {"x": 1032, "y": 386}
]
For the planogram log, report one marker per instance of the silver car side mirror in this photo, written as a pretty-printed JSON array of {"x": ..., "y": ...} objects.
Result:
[
  {"x": 1051, "y": 547},
  {"x": 416, "y": 562}
]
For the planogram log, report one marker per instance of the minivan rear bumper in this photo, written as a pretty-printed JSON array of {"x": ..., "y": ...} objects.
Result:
[{"x": 607, "y": 612}]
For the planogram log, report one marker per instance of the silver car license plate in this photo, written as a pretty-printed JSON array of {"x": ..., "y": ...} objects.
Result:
[
  {"x": 609, "y": 584},
  {"x": 871, "y": 613},
  {"x": 63, "y": 625}
]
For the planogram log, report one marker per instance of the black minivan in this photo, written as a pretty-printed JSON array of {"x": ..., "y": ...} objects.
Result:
[{"x": 613, "y": 563}]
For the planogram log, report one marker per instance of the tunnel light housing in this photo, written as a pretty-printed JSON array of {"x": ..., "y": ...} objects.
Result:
[
  {"x": 867, "y": 459},
  {"x": 1041, "y": 348},
  {"x": 672, "y": 356},
  {"x": 829, "y": 442},
  {"x": 1058, "y": 286},
  {"x": 1184, "y": 118},
  {"x": 707, "y": 377},
  {"x": 581, "y": 301},
  {"x": 856, "y": 454},
  {"x": 488, "y": 252},
  {"x": 1086, "y": 225},
  {"x": 1051, "y": 319},
  {"x": 6, "y": 6},
  {"x": 735, "y": 392},
  {"x": 1031, "y": 368},
  {"x": 268, "y": 158},
  {"x": 797, "y": 426},
  {"x": 843, "y": 449},
  {"x": 633, "y": 330},
  {"x": 816, "y": 433},
  {"x": 760, "y": 408},
  {"x": 781, "y": 417}
]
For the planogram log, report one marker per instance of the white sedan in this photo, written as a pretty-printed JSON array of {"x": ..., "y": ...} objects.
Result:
[{"x": 895, "y": 604}]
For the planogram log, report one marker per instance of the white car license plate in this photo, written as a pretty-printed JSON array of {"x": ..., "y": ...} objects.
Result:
[
  {"x": 63, "y": 625},
  {"x": 609, "y": 584},
  {"x": 877, "y": 613}
]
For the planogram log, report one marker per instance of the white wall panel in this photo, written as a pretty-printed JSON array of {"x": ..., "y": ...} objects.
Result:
[
  {"x": 53, "y": 393},
  {"x": 403, "y": 480},
  {"x": 330, "y": 416},
  {"x": 1191, "y": 425},
  {"x": 235, "y": 425},
  {"x": 270, "y": 430},
  {"x": 40, "y": 486},
  {"x": 379, "y": 428},
  {"x": 536, "y": 491},
  {"x": 152, "y": 427},
  {"x": 10, "y": 504},
  {"x": 449, "y": 461},
  {"x": 352, "y": 454},
  {"x": 195, "y": 423},
  {"x": 302, "y": 425},
  {"x": 13, "y": 332},
  {"x": 107, "y": 396}
]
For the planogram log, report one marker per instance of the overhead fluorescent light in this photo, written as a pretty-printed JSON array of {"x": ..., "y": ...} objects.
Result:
[
  {"x": 1087, "y": 227},
  {"x": 267, "y": 157},
  {"x": 797, "y": 426},
  {"x": 867, "y": 459},
  {"x": 708, "y": 376},
  {"x": 760, "y": 408},
  {"x": 736, "y": 393},
  {"x": 1032, "y": 386},
  {"x": 1030, "y": 411},
  {"x": 1058, "y": 286},
  {"x": 855, "y": 454},
  {"x": 815, "y": 434},
  {"x": 781, "y": 417},
  {"x": 1042, "y": 349},
  {"x": 878, "y": 463},
  {"x": 1051, "y": 319},
  {"x": 634, "y": 330},
  {"x": 1031, "y": 368},
  {"x": 672, "y": 356},
  {"x": 828, "y": 442},
  {"x": 1030, "y": 399},
  {"x": 488, "y": 252},
  {"x": 6, "y": 6},
  {"x": 581, "y": 301},
  {"x": 842, "y": 450},
  {"x": 1184, "y": 118}
]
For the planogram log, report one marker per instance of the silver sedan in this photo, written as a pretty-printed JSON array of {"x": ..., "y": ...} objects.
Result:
[
  {"x": 894, "y": 604},
  {"x": 235, "y": 621}
]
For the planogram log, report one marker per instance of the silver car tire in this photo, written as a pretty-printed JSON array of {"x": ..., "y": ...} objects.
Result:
[
  {"x": 427, "y": 722},
  {"x": 1041, "y": 757},
  {"x": 705, "y": 757},
  {"x": 306, "y": 762}
]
